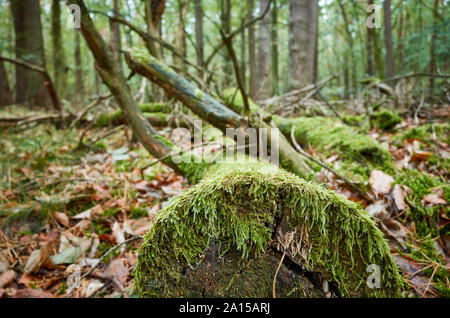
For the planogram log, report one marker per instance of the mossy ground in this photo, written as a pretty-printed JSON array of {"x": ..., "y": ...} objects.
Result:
[{"x": 238, "y": 206}]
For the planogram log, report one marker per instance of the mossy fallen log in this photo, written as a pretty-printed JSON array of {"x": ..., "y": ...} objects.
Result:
[
  {"x": 328, "y": 134},
  {"x": 225, "y": 236}
]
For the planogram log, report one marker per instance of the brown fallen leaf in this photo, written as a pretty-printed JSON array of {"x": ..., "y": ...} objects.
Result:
[
  {"x": 380, "y": 182},
  {"x": 62, "y": 218},
  {"x": 33, "y": 293},
  {"x": 398, "y": 197},
  {"x": 117, "y": 270},
  {"x": 435, "y": 197},
  {"x": 38, "y": 257},
  {"x": 419, "y": 155},
  {"x": 7, "y": 278}
]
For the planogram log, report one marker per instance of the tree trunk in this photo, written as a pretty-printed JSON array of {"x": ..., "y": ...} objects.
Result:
[
  {"x": 264, "y": 58},
  {"x": 180, "y": 39},
  {"x": 6, "y": 95},
  {"x": 78, "y": 67},
  {"x": 251, "y": 51},
  {"x": 115, "y": 41},
  {"x": 433, "y": 45},
  {"x": 302, "y": 42},
  {"x": 274, "y": 50},
  {"x": 390, "y": 68},
  {"x": 29, "y": 47},
  {"x": 225, "y": 17},
  {"x": 59, "y": 62},
  {"x": 199, "y": 36}
]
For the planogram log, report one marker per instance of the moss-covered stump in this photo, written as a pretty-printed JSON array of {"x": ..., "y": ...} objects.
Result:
[
  {"x": 225, "y": 237},
  {"x": 327, "y": 134}
]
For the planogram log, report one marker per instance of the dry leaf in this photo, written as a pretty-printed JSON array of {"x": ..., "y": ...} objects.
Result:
[
  {"x": 419, "y": 155},
  {"x": 33, "y": 293},
  {"x": 377, "y": 209},
  {"x": 398, "y": 196},
  {"x": 436, "y": 197},
  {"x": 380, "y": 182},
  {"x": 7, "y": 278},
  {"x": 62, "y": 218}
]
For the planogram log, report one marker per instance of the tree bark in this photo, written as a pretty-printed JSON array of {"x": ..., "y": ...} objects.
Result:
[
  {"x": 264, "y": 58},
  {"x": 59, "y": 62},
  {"x": 115, "y": 41},
  {"x": 302, "y": 42},
  {"x": 433, "y": 45},
  {"x": 251, "y": 50},
  {"x": 78, "y": 67},
  {"x": 274, "y": 48},
  {"x": 390, "y": 68},
  {"x": 180, "y": 38},
  {"x": 29, "y": 47},
  {"x": 6, "y": 95},
  {"x": 225, "y": 17},
  {"x": 199, "y": 36}
]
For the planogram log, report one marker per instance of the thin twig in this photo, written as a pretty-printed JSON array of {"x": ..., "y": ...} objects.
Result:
[{"x": 276, "y": 274}]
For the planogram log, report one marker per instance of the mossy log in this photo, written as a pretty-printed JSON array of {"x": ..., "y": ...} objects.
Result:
[
  {"x": 328, "y": 134},
  {"x": 225, "y": 237}
]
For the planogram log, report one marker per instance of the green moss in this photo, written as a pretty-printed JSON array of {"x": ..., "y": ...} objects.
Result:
[
  {"x": 354, "y": 120},
  {"x": 386, "y": 120},
  {"x": 234, "y": 100},
  {"x": 238, "y": 205},
  {"x": 153, "y": 110},
  {"x": 425, "y": 132},
  {"x": 326, "y": 134}
]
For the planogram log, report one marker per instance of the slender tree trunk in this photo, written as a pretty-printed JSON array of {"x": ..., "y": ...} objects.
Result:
[
  {"x": 433, "y": 45},
  {"x": 302, "y": 42},
  {"x": 115, "y": 41},
  {"x": 251, "y": 51},
  {"x": 390, "y": 68},
  {"x": 29, "y": 46},
  {"x": 264, "y": 58},
  {"x": 225, "y": 17},
  {"x": 199, "y": 36},
  {"x": 78, "y": 67},
  {"x": 180, "y": 39},
  {"x": 243, "y": 47},
  {"x": 351, "y": 44},
  {"x": 274, "y": 51},
  {"x": 59, "y": 62},
  {"x": 6, "y": 95},
  {"x": 313, "y": 39},
  {"x": 400, "y": 35}
]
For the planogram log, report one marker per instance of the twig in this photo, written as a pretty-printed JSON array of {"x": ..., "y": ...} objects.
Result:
[{"x": 276, "y": 274}]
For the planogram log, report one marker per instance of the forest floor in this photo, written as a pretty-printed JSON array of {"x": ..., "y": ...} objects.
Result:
[{"x": 64, "y": 207}]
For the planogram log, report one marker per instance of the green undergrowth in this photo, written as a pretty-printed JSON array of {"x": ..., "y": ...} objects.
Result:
[
  {"x": 238, "y": 206},
  {"x": 232, "y": 97},
  {"x": 327, "y": 134},
  {"x": 386, "y": 120},
  {"x": 425, "y": 133},
  {"x": 425, "y": 217},
  {"x": 158, "y": 111}
]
